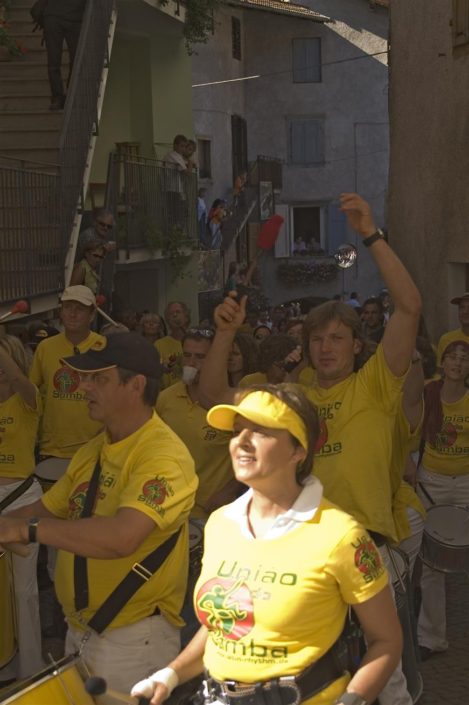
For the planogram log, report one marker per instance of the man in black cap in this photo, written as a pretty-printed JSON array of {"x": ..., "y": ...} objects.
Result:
[{"x": 119, "y": 519}]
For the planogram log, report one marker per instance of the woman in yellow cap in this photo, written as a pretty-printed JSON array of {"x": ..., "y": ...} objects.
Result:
[{"x": 281, "y": 567}]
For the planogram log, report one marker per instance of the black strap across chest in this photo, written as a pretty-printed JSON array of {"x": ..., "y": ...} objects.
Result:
[{"x": 135, "y": 578}]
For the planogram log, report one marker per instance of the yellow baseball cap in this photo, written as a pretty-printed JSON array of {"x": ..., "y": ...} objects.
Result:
[{"x": 261, "y": 408}]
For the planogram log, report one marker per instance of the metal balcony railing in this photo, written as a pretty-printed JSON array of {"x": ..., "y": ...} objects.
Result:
[
  {"x": 155, "y": 205},
  {"x": 31, "y": 250}
]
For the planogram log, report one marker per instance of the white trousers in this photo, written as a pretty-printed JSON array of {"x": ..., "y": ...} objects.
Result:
[
  {"x": 443, "y": 489},
  {"x": 395, "y": 691},
  {"x": 125, "y": 655},
  {"x": 29, "y": 658}
]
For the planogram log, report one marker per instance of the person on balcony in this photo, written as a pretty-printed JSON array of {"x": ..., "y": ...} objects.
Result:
[
  {"x": 99, "y": 232},
  {"x": 62, "y": 22},
  {"x": 86, "y": 271}
]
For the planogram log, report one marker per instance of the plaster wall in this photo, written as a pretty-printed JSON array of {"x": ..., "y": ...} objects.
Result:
[
  {"x": 214, "y": 105},
  {"x": 148, "y": 95},
  {"x": 352, "y": 98},
  {"x": 429, "y": 175}
]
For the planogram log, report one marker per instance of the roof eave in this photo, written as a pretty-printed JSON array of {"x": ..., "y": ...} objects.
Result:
[{"x": 278, "y": 11}]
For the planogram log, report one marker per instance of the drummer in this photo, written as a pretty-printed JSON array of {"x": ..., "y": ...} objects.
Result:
[
  {"x": 443, "y": 476},
  {"x": 270, "y": 608},
  {"x": 19, "y": 418}
]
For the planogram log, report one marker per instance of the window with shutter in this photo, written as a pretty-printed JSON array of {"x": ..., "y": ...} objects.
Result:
[
  {"x": 306, "y": 60},
  {"x": 307, "y": 144},
  {"x": 236, "y": 38}
]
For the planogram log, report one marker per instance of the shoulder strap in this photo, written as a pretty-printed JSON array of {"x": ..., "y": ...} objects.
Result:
[
  {"x": 80, "y": 567},
  {"x": 138, "y": 574},
  {"x": 10, "y": 498}
]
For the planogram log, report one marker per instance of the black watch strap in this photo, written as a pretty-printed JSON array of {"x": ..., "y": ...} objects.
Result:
[
  {"x": 32, "y": 529},
  {"x": 378, "y": 235}
]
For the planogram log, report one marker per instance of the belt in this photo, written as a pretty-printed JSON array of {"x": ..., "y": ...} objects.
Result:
[{"x": 285, "y": 690}]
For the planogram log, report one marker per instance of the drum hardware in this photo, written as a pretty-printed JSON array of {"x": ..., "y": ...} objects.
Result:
[
  {"x": 7, "y": 611},
  {"x": 399, "y": 572},
  {"x": 61, "y": 683},
  {"x": 445, "y": 542},
  {"x": 98, "y": 686},
  {"x": 426, "y": 493}
]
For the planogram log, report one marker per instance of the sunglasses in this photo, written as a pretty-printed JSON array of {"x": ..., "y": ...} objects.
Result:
[
  {"x": 203, "y": 332},
  {"x": 107, "y": 226}
]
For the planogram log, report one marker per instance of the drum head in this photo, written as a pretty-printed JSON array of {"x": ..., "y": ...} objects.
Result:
[
  {"x": 448, "y": 525},
  {"x": 51, "y": 469}
]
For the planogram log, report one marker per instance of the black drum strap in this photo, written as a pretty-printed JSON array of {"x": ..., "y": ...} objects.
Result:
[
  {"x": 80, "y": 568},
  {"x": 21, "y": 489}
]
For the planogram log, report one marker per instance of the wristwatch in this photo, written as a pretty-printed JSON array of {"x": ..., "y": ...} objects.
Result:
[
  {"x": 378, "y": 235},
  {"x": 350, "y": 699},
  {"x": 32, "y": 529}
]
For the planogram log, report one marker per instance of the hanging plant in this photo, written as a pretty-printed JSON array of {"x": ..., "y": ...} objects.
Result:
[
  {"x": 298, "y": 273},
  {"x": 199, "y": 20},
  {"x": 9, "y": 44}
]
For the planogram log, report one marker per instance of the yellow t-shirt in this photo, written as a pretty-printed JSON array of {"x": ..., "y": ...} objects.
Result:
[
  {"x": 307, "y": 375},
  {"x": 450, "y": 454},
  {"x": 65, "y": 424},
  {"x": 354, "y": 449},
  {"x": 18, "y": 431},
  {"x": 273, "y": 606},
  {"x": 254, "y": 378},
  {"x": 170, "y": 351},
  {"x": 208, "y": 446},
  {"x": 448, "y": 338},
  {"x": 150, "y": 471},
  {"x": 403, "y": 495}
]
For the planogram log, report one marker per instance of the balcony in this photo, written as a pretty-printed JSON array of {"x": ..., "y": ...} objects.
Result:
[{"x": 154, "y": 203}]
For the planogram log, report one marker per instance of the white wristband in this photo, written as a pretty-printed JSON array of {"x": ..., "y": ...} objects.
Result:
[{"x": 167, "y": 676}]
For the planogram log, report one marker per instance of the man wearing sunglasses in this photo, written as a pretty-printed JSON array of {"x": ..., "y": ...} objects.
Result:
[{"x": 100, "y": 231}]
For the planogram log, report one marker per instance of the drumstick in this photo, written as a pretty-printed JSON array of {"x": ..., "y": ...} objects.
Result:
[
  {"x": 98, "y": 686},
  {"x": 426, "y": 493},
  {"x": 20, "y": 549}
]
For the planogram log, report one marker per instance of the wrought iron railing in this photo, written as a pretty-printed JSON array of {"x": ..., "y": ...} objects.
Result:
[
  {"x": 155, "y": 204},
  {"x": 31, "y": 252}
]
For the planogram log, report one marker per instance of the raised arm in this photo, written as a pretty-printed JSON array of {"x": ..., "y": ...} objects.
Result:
[
  {"x": 412, "y": 393},
  {"x": 400, "y": 333},
  {"x": 17, "y": 380},
  {"x": 213, "y": 385}
]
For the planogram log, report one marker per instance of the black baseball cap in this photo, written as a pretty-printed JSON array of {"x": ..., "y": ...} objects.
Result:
[{"x": 128, "y": 350}]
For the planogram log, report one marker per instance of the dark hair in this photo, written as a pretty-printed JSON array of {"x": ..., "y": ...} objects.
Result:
[
  {"x": 292, "y": 323},
  {"x": 273, "y": 349},
  {"x": 293, "y": 397},
  {"x": 152, "y": 386},
  {"x": 325, "y": 313},
  {"x": 101, "y": 213},
  {"x": 249, "y": 351},
  {"x": 179, "y": 139},
  {"x": 373, "y": 300}
]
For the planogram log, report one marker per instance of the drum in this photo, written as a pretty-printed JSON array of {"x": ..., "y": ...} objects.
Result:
[
  {"x": 59, "y": 684},
  {"x": 50, "y": 470},
  {"x": 8, "y": 645},
  {"x": 445, "y": 543},
  {"x": 398, "y": 569}
]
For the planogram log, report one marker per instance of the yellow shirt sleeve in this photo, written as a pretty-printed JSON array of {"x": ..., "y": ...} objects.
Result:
[{"x": 379, "y": 383}]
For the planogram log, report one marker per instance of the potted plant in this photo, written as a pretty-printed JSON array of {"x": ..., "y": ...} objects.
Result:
[{"x": 9, "y": 47}]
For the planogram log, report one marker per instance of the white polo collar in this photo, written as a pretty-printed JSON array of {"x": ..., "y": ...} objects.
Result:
[{"x": 304, "y": 509}]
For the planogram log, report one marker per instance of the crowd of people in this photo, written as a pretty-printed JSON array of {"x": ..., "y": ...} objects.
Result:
[{"x": 235, "y": 487}]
